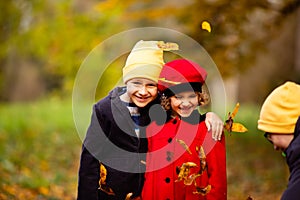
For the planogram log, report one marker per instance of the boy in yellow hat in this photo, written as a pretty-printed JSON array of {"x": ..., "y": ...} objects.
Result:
[
  {"x": 280, "y": 120},
  {"x": 113, "y": 154}
]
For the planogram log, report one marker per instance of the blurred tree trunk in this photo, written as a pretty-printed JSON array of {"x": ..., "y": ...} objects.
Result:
[
  {"x": 275, "y": 65},
  {"x": 23, "y": 81}
]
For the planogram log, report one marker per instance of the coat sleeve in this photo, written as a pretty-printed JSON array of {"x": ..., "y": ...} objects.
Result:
[
  {"x": 217, "y": 176},
  {"x": 89, "y": 169},
  {"x": 88, "y": 181}
]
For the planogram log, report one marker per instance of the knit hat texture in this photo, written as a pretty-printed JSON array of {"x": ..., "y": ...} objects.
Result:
[
  {"x": 281, "y": 109},
  {"x": 146, "y": 60},
  {"x": 181, "y": 75}
]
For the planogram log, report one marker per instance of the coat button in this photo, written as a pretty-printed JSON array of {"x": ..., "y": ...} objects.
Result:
[
  {"x": 174, "y": 121},
  {"x": 170, "y": 140},
  {"x": 167, "y": 180},
  {"x": 169, "y": 156}
]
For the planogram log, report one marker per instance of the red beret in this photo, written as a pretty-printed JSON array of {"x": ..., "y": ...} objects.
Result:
[{"x": 181, "y": 72}]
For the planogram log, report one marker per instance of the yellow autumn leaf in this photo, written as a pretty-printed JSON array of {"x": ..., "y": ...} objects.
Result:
[
  {"x": 191, "y": 179},
  {"x": 169, "y": 46},
  {"x": 103, "y": 173},
  {"x": 238, "y": 127},
  {"x": 184, "y": 171},
  {"x": 43, "y": 190},
  {"x": 128, "y": 196},
  {"x": 231, "y": 126},
  {"x": 184, "y": 145},
  {"x": 203, "y": 191},
  {"x": 206, "y": 26},
  {"x": 235, "y": 110}
]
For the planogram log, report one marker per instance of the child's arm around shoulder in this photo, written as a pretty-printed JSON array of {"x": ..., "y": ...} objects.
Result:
[{"x": 215, "y": 125}]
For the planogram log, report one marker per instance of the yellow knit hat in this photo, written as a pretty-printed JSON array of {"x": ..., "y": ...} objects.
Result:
[
  {"x": 281, "y": 109},
  {"x": 146, "y": 60}
]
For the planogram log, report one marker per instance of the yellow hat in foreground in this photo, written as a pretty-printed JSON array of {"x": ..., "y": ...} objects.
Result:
[
  {"x": 146, "y": 60},
  {"x": 281, "y": 109}
]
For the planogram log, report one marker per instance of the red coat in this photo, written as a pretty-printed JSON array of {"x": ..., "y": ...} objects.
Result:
[{"x": 166, "y": 152}]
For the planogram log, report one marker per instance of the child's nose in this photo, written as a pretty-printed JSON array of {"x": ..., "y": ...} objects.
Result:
[
  {"x": 185, "y": 102},
  {"x": 143, "y": 90}
]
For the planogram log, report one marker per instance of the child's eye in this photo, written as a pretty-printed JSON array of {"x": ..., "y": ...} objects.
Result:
[
  {"x": 151, "y": 85},
  {"x": 178, "y": 97},
  {"x": 137, "y": 83}
]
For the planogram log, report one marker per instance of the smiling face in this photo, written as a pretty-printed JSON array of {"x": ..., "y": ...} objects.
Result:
[
  {"x": 184, "y": 103},
  {"x": 140, "y": 91}
]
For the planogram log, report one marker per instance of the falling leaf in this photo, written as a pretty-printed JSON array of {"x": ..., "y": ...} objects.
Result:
[
  {"x": 231, "y": 126},
  {"x": 190, "y": 179},
  {"x": 128, "y": 196},
  {"x": 238, "y": 127},
  {"x": 202, "y": 157},
  {"x": 206, "y": 26},
  {"x": 107, "y": 190},
  {"x": 102, "y": 181},
  {"x": 183, "y": 144},
  {"x": 143, "y": 162},
  {"x": 203, "y": 191},
  {"x": 184, "y": 170},
  {"x": 103, "y": 173},
  {"x": 168, "y": 81},
  {"x": 235, "y": 110},
  {"x": 169, "y": 46}
]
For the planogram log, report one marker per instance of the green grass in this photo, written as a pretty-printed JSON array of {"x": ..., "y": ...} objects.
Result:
[{"x": 40, "y": 149}]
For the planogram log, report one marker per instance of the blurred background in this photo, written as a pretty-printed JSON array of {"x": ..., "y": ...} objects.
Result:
[{"x": 255, "y": 44}]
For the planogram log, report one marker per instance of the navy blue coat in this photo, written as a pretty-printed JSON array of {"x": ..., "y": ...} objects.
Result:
[
  {"x": 111, "y": 139},
  {"x": 293, "y": 160}
]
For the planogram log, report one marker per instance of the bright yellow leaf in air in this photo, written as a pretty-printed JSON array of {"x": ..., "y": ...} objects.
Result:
[{"x": 206, "y": 26}]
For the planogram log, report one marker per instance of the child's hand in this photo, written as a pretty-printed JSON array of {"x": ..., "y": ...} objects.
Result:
[{"x": 215, "y": 124}]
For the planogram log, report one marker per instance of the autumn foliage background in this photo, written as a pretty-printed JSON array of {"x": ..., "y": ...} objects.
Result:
[{"x": 255, "y": 45}]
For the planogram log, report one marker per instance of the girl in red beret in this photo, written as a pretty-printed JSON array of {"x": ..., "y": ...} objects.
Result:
[{"x": 183, "y": 161}]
